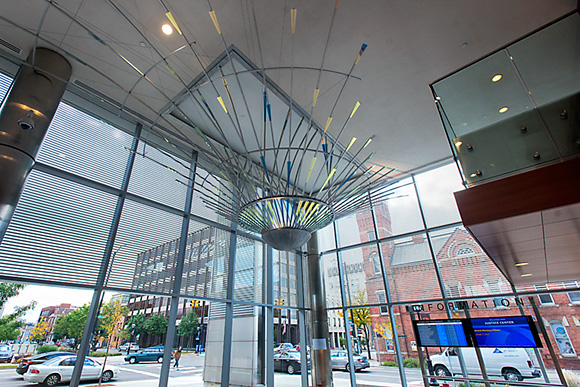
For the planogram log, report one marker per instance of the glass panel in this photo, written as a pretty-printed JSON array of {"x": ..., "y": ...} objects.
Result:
[
  {"x": 548, "y": 62},
  {"x": 160, "y": 176},
  {"x": 58, "y": 232},
  {"x": 362, "y": 279},
  {"x": 284, "y": 281},
  {"x": 199, "y": 254},
  {"x": 145, "y": 250},
  {"x": 331, "y": 280},
  {"x": 326, "y": 238},
  {"x": 206, "y": 182},
  {"x": 436, "y": 188},
  {"x": 361, "y": 221},
  {"x": 408, "y": 262},
  {"x": 458, "y": 257},
  {"x": 249, "y": 275},
  {"x": 5, "y": 82},
  {"x": 70, "y": 145},
  {"x": 399, "y": 212},
  {"x": 214, "y": 345}
]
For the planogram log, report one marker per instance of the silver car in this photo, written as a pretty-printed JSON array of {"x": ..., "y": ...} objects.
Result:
[
  {"x": 6, "y": 353},
  {"x": 339, "y": 360}
]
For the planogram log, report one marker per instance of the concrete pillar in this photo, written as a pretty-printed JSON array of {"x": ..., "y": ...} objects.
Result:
[
  {"x": 24, "y": 120},
  {"x": 320, "y": 345}
]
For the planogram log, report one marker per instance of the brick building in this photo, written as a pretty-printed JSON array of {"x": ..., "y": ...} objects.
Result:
[
  {"x": 465, "y": 271},
  {"x": 51, "y": 314}
]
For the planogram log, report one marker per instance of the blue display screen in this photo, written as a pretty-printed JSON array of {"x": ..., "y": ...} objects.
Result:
[
  {"x": 504, "y": 332},
  {"x": 441, "y": 334}
]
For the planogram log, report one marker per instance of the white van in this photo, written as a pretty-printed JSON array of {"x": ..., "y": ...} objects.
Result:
[{"x": 510, "y": 363}]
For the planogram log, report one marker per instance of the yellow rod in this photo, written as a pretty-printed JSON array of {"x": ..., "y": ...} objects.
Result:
[
  {"x": 215, "y": 21},
  {"x": 351, "y": 143},
  {"x": 222, "y": 103},
  {"x": 310, "y": 170},
  {"x": 172, "y": 20},
  {"x": 328, "y": 121},
  {"x": 355, "y": 109},
  {"x": 316, "y": 91}
]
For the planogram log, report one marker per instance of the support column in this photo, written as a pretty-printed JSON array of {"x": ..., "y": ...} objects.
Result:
[
  {"x": 24, "y": 120},
  {"x": 177, "y": 278},
  {"x": 320, "y": 352}
]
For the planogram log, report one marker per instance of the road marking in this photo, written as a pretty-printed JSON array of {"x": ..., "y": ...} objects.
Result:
[{"x": 140, "y": 372}]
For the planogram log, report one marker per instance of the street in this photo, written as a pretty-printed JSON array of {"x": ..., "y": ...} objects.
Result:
[{"x": 191, "y": 374}]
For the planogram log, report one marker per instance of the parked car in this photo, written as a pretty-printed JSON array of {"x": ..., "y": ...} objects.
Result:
[
  {"x": 288, "y": 362},
  {"x": 147, "y": 354},
  {"x": 124, "y": 347},
  {"x": 60, "y": 369},
  {"x": 510, "y": 363},
  {"x": 6, "y": 353},
  {"x": 25, "y": 362},
  {"x": 339, "y": 360},
  {"x": 283, "y": 347}
]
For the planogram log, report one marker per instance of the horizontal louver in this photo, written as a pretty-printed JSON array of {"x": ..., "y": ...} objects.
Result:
[
  {"x": 159, "y": 177},
  {"x": 58, "y": 232},
  {"x": 80, "y": 144},
  {"x": 145, "y": 250}
]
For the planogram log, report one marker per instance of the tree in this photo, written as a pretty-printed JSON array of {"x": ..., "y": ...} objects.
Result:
[
  {"x": 11, "y": 324},
  {"x": 139, "y": 321},
  {"x": 361, "y": 317},
  {"x": 189, "y": 324},
  {"x": 39, "y": 332},
  {"x": 156, "y": 325},
  {"x": 72, "y": 325},
  {"x": 112, "y": 313}
]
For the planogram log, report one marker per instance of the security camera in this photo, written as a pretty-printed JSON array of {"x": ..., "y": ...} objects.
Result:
[{"x": 26, "y": 122}]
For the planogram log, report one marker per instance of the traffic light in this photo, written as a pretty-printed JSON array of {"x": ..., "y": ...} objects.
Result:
[
  {"x": 195, "y": 303},
  {"x": 279, "y": 301}
]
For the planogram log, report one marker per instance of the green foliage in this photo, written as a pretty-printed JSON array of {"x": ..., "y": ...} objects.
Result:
[
  {"x": 188, "y": 325},
  {"x": 112, "y": 313},
  {"x": 411, "y": 363},
  {"x": 461, "y": 384},
  {"x": 156, "y": 325},
  {"x": 46, "y": 348},
  {"x": 72, "y": 325},
  {"x": 139, "y": 321},
  {"x": 390, "y": 364},
  {"x": 104, "y": 354},
  {"x": 40, "y": 330},
  {"x": 342, "y": 341},
  {"x": 11, "y": 324},
  {"x": 9, "y": 290}
]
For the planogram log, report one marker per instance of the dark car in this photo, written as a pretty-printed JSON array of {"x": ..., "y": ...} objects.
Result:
[
  {"x": 288, "y": 362},
  {"x": 147, "y": 354},
  {"x": 38, "y": 359}
]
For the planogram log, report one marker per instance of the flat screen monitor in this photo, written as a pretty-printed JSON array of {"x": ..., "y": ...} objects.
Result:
[
  {"x": 508, "y": 332},
  {"x": 442, "y": 333}
]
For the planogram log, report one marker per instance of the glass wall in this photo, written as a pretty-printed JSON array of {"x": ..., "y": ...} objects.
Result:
[{"x": 117, "y": 218}]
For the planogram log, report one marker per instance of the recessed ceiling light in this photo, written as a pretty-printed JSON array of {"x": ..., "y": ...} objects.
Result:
[
  {"x": 526, "y": 275},
  {"x": 503, "y": 109},
  {"x": 496, "y": 78},
  {"x": 458, "y": 144},
  {"x": 167, "y": 29},
  {"x": 518, "y": 264}
]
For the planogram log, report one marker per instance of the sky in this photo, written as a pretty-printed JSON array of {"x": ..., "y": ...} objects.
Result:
[{"x": 47, "y": 296}]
